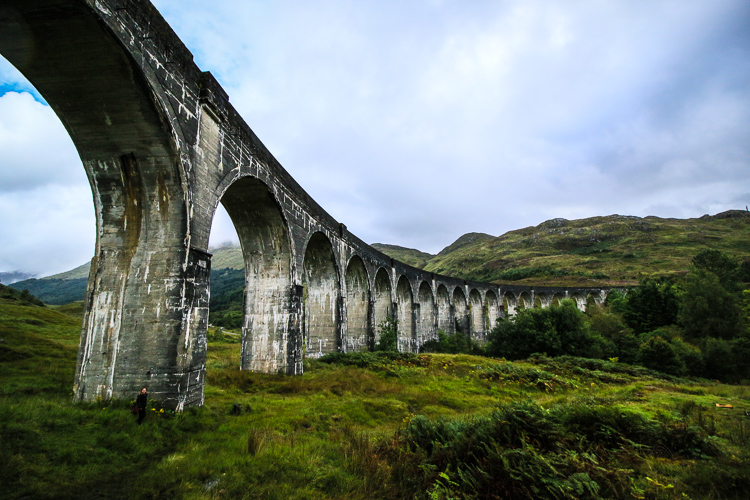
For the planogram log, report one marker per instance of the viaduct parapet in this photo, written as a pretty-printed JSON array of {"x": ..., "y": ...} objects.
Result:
[{"x": 162, "y": 146}]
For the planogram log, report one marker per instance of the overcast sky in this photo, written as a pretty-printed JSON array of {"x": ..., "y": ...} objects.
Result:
[{"x": 414, "y": 122}]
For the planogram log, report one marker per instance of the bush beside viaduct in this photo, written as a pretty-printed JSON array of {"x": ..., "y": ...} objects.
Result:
[{"x": 162, "y": 146}]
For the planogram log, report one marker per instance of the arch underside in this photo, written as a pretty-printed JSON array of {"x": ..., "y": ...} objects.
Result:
[
  {"x": 266, "y": 252},
  {"x": 407, "y": 341},
  {"x": 382, "y": 302},
  {"x": 357, "y": 307},
  {"x": 461, "y": 311},
  {"x": 321, "y": 295},
  {"x": 103, "y": 94}
]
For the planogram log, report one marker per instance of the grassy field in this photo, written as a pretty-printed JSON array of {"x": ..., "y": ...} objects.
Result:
[{"x": 368, "y": 426}]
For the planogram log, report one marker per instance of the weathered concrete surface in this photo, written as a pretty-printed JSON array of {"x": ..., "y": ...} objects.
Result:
[{"x": 162, "y": 147}]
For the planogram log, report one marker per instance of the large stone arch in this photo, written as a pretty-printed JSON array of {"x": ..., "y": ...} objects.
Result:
[
  {"x": 267, "y": 254},
  {"x": 444, "y": 316},
  {"x": 476, "y": 314},
  {"x": 357, "y": 306},
  {"x": 382, "y": 302},
  {"x": 541, "y": 299},
  {"x": 557, "y": 298},
  {"x": 406, "y": 331},
  {"x": 593, "y": 301},
  {"x": 461, "y": 311},
  {"x": 492, "y": 308},
  {"x": 580, "y": 301},
  {"x": 136, "y": 329},
  {"x": 427, "y": 320},
  {"x": 524, "y": 301},
  {"x": 320, "y": 284}
]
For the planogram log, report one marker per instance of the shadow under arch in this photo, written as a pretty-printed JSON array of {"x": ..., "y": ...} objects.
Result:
[
  {"x": 357, "y": 306},
  {"x": 267, "y": 255},
  {"x": 321, "y": 296}
]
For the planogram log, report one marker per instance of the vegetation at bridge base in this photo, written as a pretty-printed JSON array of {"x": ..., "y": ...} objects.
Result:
[
  {"x": 387, "y": 335},
  {"x": 698, "y": 325},
  {"x": 607, "y": 412},
  {"x": 227, "y": 301},
  {"x": 368, "y": 425}
]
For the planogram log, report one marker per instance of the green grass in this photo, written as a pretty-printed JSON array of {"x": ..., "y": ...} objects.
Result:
[{"x": 370, "y": 425}]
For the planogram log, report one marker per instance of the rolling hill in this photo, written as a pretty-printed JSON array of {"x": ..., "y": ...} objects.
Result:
[{"x": 614, "y": 250}]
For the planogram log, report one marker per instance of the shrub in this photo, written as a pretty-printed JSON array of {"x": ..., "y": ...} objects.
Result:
[
  {"x": 387, "y": 335},
  {"x": 559, "y": 329},
  {"x": 458, "y": 343},
  {"x": 525, "y": 451}
]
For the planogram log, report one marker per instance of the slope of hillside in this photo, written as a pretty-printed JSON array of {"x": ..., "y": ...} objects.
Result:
[
  {"x": 227, "y": 256},
  {"x": 411, "y": 256},
  {"x": 79, "y": 272},
  {"x": 598, "y": 251}
]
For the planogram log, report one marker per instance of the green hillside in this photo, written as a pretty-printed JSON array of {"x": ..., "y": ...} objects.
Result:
[
  {"x": 79, "y": 272},
  {"x": 368, "y": 426},
  {"x": 615, "y": 250},
  {"x": 409, "y": 256},
  {"x": 598, "y": 251},
  {"x": 227, "y": 257}
]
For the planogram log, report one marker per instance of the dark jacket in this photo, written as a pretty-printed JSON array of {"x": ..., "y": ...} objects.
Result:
[{"x": 141, "y": 401}]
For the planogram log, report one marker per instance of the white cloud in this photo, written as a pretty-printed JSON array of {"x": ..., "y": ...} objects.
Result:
[
  {"x": 413, "y": 123},
  {"x": 48, "y": 229},
  {"x": 36, "y": 149}
]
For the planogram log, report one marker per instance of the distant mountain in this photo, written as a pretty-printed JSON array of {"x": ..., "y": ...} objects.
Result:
[
  {"x": 465, "y": 240},
  {"x": 409, "y": 256},
  {"x": 599, "y": 251},
  {"x": 11, "y": 277},
  {"x": 81, "y": 271},
  {"x": 227, "y": 256}
]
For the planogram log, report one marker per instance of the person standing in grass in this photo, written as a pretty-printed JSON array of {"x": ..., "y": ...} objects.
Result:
[{"x": 141, "y": 401}]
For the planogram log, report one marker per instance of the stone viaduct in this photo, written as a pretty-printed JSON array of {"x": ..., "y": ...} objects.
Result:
[{"x": 162, "y": 147}]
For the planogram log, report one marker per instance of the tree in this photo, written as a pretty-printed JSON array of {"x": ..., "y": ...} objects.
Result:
[
  {"x": 388, "y": 335},
  {"x": 658, "y": 354},
  {"x": 707, "y": 308},
  {"x": 722, "y": 266},
  {"x": 652, "y": 305},
  {"x": 557, "y": 330}
]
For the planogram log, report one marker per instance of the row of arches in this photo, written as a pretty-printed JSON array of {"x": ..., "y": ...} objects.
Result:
[
  {"x": 345, "y": 314},
  {"x": 514, "y": 302},
  {"x": 342, "y": 301}
]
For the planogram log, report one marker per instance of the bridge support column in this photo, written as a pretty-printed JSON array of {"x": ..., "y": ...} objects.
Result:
[{"x": 146, "y": 312}]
